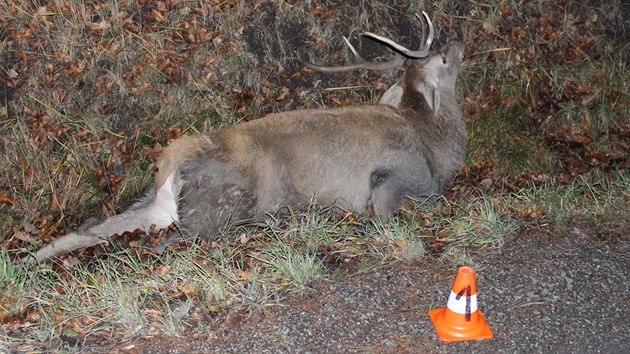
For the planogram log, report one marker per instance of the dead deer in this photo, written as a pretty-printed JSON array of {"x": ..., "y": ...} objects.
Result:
[{"x": 410, "y": 145}]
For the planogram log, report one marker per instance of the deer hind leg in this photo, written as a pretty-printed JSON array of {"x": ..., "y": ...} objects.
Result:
[
  {"x": 386, "y": 194},
  {"x": 214, "y": 198},
  {"x": 389, "y": 187},
  {"x": 385, "y": 201}
]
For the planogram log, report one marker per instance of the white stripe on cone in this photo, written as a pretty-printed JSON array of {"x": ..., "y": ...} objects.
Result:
[{"x": 459, "y": 306}]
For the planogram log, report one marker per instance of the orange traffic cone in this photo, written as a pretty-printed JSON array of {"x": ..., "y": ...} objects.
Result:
[{"x": 461, "y": 319}]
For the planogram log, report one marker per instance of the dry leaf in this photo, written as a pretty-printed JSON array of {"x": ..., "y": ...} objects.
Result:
[
  {"x": 163, "y": 270},
  {"x": 21, "y": 235},
  {"x": 7, "y": 199},
  {"x": 43, "y": 11},
  {"x": 101, "y": 26},
  {"x": 152, "y": 312},
  {"x": 187, "y": 289},
  {"x": 401, "y": 244},
  {"x": 245, "y": 275}
]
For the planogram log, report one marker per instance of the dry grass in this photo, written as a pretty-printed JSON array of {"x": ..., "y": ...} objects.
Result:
[{"x": 90, "y": 91}]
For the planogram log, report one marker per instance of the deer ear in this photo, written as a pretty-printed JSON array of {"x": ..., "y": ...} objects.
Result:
[
  {"x": 392, "y": 96},
  {"x": 436, "y": 101}
]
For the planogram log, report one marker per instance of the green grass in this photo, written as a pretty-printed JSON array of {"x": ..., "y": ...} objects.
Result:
[{"x": 591, "y": 196}]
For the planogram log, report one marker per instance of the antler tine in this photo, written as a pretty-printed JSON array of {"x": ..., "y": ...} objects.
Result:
[
  {"x": 359, "y": 63},
  {"x": 414, "y": 54},
  {"x": 354, "y": 51},
  {"x": 429, "y": 40}
]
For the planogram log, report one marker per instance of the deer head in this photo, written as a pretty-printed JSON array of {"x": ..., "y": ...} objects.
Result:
[{"x": 426, "y": 74}]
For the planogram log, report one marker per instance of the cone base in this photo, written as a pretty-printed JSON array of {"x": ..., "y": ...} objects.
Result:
[{"x": 450, "y": 333}]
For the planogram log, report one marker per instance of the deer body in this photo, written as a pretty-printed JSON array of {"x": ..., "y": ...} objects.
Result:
[{"x": 354, "y": 157}]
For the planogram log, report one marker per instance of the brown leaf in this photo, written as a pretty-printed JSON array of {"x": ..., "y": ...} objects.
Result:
[
  {"x": 187, "y": 289},
  {"x": 163, "y": 270},
  {"x": 77, "y": 68},
  {"x": 22, "y": 235},
  {"x": 245, "y": 275},
  {"x": 59, "y": 96},
  {"x": 507, "y": 102},
  {"x": 322, "y": 12},
  {"x": 7, "y": 199},
  {"x": 307, "y": 71},
  {"x": 153, "y": 329},
  {"x": 104, "y": 83},
  {"x": 22, "y": 55},
  {"x": 401, "y": 244},
  {"x": 101, "y": 26},
  {"x": 209, "y": 61},
  {"x": 154, "y": 152},
  {"x": 282, "y": 95},
  {"x": 43, "y": 11},
  {"x": 77, "y": 327}
]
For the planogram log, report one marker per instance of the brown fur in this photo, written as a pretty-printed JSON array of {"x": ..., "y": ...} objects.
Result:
[{"x": 173, "y": 156}]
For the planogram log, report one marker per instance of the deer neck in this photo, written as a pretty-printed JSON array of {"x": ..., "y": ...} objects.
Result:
[{"x": 443, "y": 133}]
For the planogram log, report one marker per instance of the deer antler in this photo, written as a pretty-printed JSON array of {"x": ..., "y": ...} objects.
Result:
[
  {"x": 396, "y": 62},
  {"x": 412, "y": 54},
  {"x": 359, "y": 63}
]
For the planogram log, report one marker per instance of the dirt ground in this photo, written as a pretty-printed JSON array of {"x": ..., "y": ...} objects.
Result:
[{"x": 544, "y": 290}]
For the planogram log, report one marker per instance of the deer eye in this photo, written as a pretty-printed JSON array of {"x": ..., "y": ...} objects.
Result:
[{"x": 443, "y": 58}]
